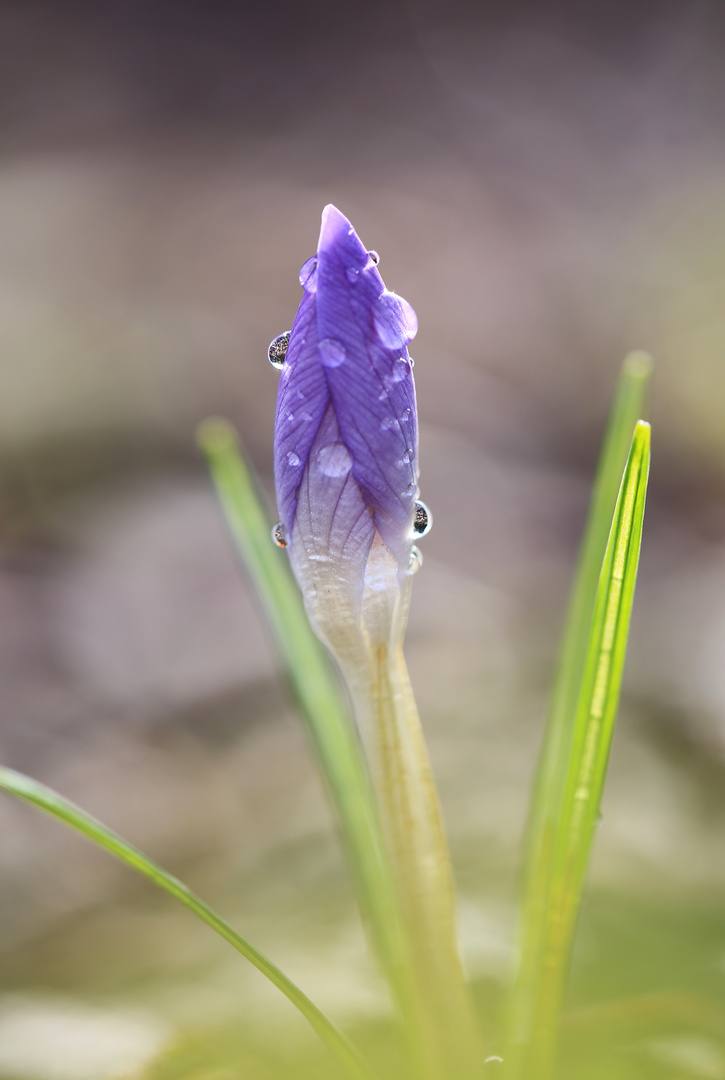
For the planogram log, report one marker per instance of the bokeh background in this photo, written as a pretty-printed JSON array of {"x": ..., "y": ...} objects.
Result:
[{"x": 545, "y": 182}]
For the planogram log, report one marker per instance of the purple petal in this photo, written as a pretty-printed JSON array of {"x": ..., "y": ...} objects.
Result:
[
  {"x": 302, "y": 400},
  {"x": 372, "y": 390},
  {"x": 332, "y": 517},
  {"x": 346, "y": 436}
]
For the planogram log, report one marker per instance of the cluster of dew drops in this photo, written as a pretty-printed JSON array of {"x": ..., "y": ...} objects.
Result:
[{"x": 422, "y": 517}]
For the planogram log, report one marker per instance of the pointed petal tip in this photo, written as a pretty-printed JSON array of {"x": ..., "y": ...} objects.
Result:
[
  {"x": 334, "y": 228},
  {"x": 330, "y": 213}
]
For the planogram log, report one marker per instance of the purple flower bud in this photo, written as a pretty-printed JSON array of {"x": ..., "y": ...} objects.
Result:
[{"x": 346, "y": 433}]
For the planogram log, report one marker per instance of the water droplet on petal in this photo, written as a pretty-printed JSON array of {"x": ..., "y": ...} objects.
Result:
[
  {"x": 400, "y": 369},
  {"x": 278, "y": 535},
  {"x": 334, "y": 460},
  {"x": 294, "y": 459},
  {"x": 374, "y": 257},
  {"x": 332, "y": 352},
  {"x": 308, "y": 275},
  {"x": 415, "y": 561},
  {"x": 395, "y": 321},
  {"x": 405, "y": 416},
  {"x": 422, "y": 519},
  {"x": 410, "y": 491},
  {"x": 407, "y": 457},
  {"x": 493, "y": 1060},
  {"x": 389, "y": 423},
  {"x": 278, "y": 350},
  {"x": 306, "y": 417},
  {"x": 352, "y": 274}
]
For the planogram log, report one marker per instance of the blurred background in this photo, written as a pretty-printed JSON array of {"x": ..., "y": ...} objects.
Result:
[{"x": 545, "y": 183}]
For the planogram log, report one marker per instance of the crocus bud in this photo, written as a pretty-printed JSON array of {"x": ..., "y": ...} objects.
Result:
[
  {"x": 346, "y": 471},
  {"x": 346, "y": 445}
]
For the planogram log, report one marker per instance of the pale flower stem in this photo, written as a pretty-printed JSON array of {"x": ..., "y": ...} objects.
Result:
[{"x": 412, "y": 821}]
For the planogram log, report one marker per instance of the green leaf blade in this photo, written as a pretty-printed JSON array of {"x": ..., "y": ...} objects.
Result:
[
  {"x": 629, "y": 405},
  {"x": 44, "y": 798},
  {"x": 566, "y": 802},
  {"x": 601, "y": 685}
]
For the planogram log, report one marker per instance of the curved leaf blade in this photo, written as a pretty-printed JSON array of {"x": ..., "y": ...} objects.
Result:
[{"x": 44, "y": 798}]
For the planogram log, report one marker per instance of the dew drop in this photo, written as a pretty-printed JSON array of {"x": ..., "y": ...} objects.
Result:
[
  {"x": 389, "y": 423},
  {"x": 278, "y": 535},
  {"x": 400, "y": 369},
  {"x": 405, "y": 416},
  {"x": 306, "y": 417},
  {"x": 334, "y": 460},
  {"x": 308, "y": 275},
  {"x": 410, "y": 491},
  {"x": 493, "y": 1060},
  {"x": 422, "y": 519},
  {"x": 278, "y": 350},
  {"x": 407, "y": 457},
  {"x": 395, "y": 321},
  {"x": 352, "y": 274},
  {"x": 415, "y": 561},
  {"x": 293, "y": 459},
  {"x": 332, "y": 352},
  {"x": 374, "y": 257}
]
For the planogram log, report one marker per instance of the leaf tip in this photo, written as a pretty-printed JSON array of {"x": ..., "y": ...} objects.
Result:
[
  {"x": 642, "y": 432},
  {"x": 639, "y": 365},
  {"x": 215, "y": 434}
]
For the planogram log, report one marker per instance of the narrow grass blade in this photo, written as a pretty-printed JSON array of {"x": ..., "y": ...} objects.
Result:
[
  {"x": 315, "y": 688},
  {"x": 52, "y": 803},
  {"x": 629, "y": 406},
  {"x": 544, "y": 813},
  {"x": 534, "y": 1044}
]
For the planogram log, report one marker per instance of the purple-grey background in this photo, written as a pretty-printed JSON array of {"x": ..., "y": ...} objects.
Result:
[{"x": 544, "y": 182}]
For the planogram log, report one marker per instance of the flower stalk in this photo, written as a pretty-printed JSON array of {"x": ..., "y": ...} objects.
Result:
[{"x": 413, "y": 824}]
